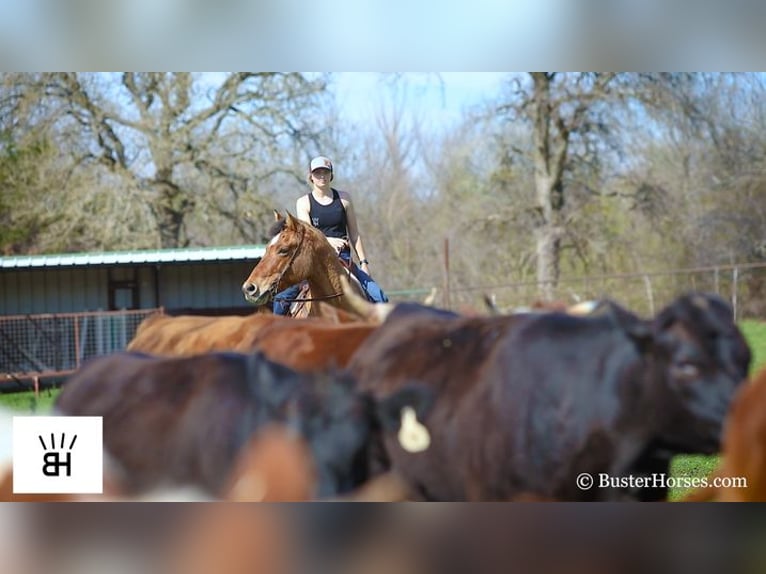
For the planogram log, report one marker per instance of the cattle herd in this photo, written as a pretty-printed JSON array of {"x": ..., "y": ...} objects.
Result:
[{"x": 412, "y": 402}]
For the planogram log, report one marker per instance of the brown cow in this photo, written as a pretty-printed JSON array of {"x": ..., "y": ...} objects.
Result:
[
  {"x": 171, "y": 421},
  {"x": 744, "y": 449},
  {"x": 311, "y": 344},
  {"x": 526, "y": 403},
  {"x": 187, "y": 335}
]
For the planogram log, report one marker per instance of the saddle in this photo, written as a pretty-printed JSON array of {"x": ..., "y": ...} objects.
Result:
[{"x": 298, "y": 308}]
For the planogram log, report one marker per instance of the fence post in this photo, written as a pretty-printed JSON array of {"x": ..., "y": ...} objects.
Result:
[
  {"x": 447, "y": 303},
  {"x": 76, "y": 342},
  {"x": 734, "y": 289},
  {"x": 649, "y": 294}
]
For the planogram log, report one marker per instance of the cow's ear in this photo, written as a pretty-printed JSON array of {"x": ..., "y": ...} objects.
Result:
[
  {"x": 638, "y": 330},
  {"x": 270, "y": 383},
  {"x": 642, "y": 336}
]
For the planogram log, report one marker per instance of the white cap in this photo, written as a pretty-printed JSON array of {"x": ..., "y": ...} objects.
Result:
[{"x": 320, "y": 162}]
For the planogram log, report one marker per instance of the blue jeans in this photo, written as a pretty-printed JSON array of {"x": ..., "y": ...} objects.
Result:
[
  {"x": 282, "y": 307},
  {"x": 369, "y": 286}
]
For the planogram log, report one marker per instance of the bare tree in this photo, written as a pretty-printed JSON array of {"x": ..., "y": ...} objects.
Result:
[
  {"x": 574, "y": 119},
  {"x": 185, "y": 144}
]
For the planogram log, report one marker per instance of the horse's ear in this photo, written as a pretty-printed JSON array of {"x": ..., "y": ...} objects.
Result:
[
  {"x": 291, "y": 221},
  {"x": 277, "y": 216}
]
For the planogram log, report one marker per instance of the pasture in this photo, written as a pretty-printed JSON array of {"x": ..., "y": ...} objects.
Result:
[{"x": 686, "y": 466}]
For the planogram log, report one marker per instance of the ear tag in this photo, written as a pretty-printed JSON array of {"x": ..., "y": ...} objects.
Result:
[{"x": 413, "y": 436}]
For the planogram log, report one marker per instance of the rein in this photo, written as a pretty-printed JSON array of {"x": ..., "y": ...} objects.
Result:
[{"x": 333, "y": 296}]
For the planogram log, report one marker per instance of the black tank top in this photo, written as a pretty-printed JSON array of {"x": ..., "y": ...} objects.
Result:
[{"x": 329, "y": 219}]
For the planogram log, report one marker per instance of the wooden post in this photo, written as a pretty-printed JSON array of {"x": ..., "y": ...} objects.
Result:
[
  {"x": 649, "y": 294},
  {"x": 447, "y": 302},
  {"x": 76, "y": 341},
  {"x": 716, "y": 284}
]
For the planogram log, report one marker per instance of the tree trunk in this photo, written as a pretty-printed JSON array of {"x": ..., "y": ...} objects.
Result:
[
  {"x": 548, "y": 235},
  {"x": 550, "y": 153},
  {"x": 170, "y": 212},
  {"x": 548, "y": 240}
]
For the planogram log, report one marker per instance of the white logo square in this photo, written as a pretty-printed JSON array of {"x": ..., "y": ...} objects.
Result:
[{"x": 58, "y": 455}]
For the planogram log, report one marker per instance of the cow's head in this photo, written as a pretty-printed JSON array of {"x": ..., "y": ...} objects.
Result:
[
  {"x": 699, "y": 358},
  {"x": 342, "y": 424}
]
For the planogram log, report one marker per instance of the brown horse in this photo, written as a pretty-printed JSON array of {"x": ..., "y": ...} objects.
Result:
[{"x": 299, "y": 252}]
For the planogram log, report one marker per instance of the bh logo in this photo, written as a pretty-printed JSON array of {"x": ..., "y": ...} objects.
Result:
[
  {"x": 52, "y": 460},
  {"x": 57, "y": 455}
]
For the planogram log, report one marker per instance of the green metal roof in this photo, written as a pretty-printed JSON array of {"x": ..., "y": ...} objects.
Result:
[{"x": 150, "y": 256}]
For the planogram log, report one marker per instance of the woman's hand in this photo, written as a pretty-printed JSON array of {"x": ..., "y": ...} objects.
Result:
[{"x": 338, "y": 243}]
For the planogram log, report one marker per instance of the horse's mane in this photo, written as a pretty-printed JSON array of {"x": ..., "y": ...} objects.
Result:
[{"x": 276, "y": 228}]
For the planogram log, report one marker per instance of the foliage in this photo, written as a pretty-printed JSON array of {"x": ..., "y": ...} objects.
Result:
[
  {"x": 25, "y": 190},
  {"x": 659, "y": 171},
  {"x": 190, "y": 153}
]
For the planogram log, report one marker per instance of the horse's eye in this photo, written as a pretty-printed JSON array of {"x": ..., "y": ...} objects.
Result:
[{"x": 283, "y": 251}]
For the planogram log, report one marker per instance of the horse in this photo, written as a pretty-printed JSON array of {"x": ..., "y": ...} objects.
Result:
[{"x": 298, "y": 252}]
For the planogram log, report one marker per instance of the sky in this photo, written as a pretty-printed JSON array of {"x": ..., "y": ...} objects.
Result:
[{"x": 437, "y": 97}]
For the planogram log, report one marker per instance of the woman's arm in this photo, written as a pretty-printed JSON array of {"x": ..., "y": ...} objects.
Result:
[
  {"x": 302, "y": 208},
  {"x": 354, "y": 237}
]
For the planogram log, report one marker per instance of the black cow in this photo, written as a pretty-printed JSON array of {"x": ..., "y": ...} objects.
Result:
[
  {"x": 171, "y": 421},
  {"x": 527, "y": 403}
]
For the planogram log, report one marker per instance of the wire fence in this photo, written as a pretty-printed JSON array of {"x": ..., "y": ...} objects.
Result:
[
  {"x": 53, "y": 345},
  {"x": 40, "y": 346},
  {"x": 744, "y": 285}
]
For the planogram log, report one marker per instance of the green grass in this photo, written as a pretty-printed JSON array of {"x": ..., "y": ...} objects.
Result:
[
  {"x": 755, "y": 333},
  {"x": 26, "y": 402}
]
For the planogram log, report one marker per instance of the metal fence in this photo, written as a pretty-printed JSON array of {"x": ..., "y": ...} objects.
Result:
[
  {"x": 37, "y": 346},
  {"x": 744, "y": 285}
]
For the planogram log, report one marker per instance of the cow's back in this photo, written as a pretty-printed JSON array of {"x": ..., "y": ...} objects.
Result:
[
  {"x": 155, "y": 408},
  {"x": 187, "y": 335},
  {"x": 489, "y": 375}
]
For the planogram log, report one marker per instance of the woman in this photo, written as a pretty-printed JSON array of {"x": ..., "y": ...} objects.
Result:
[{"x": 332, "y": 212}]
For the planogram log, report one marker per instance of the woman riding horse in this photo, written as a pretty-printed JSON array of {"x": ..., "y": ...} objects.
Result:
[{"x": 332, "y": 212}]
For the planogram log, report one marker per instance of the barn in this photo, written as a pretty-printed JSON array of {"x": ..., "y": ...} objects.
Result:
[{"x": 57, "y": 310}]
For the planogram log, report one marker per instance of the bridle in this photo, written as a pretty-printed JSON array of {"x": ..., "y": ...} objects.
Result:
[{"x": 275, "y": 286}]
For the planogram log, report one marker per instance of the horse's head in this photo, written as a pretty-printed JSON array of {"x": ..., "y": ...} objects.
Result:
[{"x": 287, "y": 260}]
